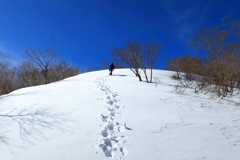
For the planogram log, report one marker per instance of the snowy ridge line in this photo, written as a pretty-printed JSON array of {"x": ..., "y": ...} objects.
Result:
[{"x": 111, "y": 141}]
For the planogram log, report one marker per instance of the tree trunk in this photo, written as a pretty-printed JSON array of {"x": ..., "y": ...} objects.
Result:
[
  {"x": 151, "y": 76},
  {"x": 139, "y": 77}
]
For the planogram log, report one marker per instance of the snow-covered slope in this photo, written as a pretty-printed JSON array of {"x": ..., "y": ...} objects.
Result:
[{"x": 94, "y": 116}]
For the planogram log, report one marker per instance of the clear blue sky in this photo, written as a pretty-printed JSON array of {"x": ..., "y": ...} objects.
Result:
[{"x": 85, "y": 31}]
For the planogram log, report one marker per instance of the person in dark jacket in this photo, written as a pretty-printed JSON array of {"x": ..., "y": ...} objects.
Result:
[{"x": 111, "y": 68}]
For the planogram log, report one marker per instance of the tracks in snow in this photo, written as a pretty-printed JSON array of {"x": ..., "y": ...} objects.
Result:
[{"x": 112, "y": 140}]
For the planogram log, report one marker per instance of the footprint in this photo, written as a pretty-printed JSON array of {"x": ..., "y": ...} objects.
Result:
[
  {"x": 112, "y": 114},
  {"x": 115, "y": 95},
  {"x": 110, "y": 102},
  {"x": 104, "y": 133},
  {"x": 121, "y": 150},
  {"x": 108, "y": 153},
  {"x": 114, "y": 139},
  {"x": 104, "y": 118},
  {"x": 110, "y": 126},
  {"x": 111, "y": 110},
  {"x": 107, "y": 142},
  {"x": 116, "y": 106},
  {"x": 109, "y": 139}
]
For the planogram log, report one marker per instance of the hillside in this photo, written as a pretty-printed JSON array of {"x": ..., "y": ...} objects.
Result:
[{"x": 94, "y": 116}]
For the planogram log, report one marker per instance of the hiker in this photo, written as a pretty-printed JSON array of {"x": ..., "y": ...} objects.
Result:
[{"x": 111, "y": 68}]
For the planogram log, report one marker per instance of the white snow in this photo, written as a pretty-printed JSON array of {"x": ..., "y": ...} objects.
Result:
[{"x": 94, "y": 116}]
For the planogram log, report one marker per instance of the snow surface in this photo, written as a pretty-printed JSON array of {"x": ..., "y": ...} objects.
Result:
[{"x": 94, "y": 116}]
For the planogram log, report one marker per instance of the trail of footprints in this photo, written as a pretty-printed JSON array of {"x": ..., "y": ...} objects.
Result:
[{"x": 111, "y": 141}]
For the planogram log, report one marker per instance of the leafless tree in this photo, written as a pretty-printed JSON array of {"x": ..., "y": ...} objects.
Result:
[
  {"x": 90, "y": 69},
  {"x": 186, "y": 67},
  {"x": 218, "y": 73},
  {"x": 28, "y": 74},
  {"x": 211, "y": 42},
  {"x": 7, "y": 79},
  {"x": 187, "y": 64},
  {"x": 3, "y": 55},
  {"x": 117, "y": 63},
  {"x": 190, "y": 65},
  {"x": 62, "y": 70},
  {"x": 42, "y": 58},
  {"x": 173, "y": 65},
  {"x": 105, "y": 64},
  {"x": 151, "y": 56},
  {"x": 130, "y": 54},
  {"x": 138, "y": 56},
  {"x": 222, "y": 52},
  {"x": 232, "y": 23}
]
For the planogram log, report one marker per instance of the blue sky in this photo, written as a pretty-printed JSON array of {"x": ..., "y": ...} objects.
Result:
[{"x": 85, "y": 31}]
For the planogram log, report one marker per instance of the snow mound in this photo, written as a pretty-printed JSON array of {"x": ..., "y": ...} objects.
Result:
[{"x": 95, "y": 116}]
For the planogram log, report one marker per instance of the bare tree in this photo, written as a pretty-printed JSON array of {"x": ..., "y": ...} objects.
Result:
[
  {"x": 7, "y": 79},
  {"x": 232, "y": 23},
  {"x": 190, "y": 65},
  {"x": 151, "y": 56},
  {"x": 222, "y": 51},
  {"x": 186, "y": 67},
  {"x": 139, "y": 57},
  {"x": 42, "y": 58},
  {"x": 211, "y": 42},
  {"x": 130, "y": 54},
  {"x": 28, "y": 74},
  {"x": 173, "y": 65},
  {"x": 105, "y": 64},
  {"x": 90, "y": 69},
  {"x": 62, "y": 70},
  {"x": 3, "y": 55},
  {"x": 118, "y": 64},
  {"x": 218, "y": 73}
]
